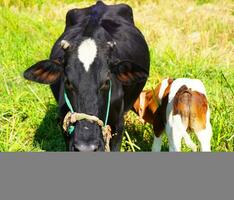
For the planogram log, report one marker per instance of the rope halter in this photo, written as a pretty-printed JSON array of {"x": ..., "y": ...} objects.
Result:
[{"x": 72, "y": 117}]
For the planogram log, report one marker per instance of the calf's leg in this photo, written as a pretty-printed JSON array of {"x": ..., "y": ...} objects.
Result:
[
  {"x": 157, "y": 144},
  {"x": 204, "y": 137},
  {"x": 178, "y": 131}
]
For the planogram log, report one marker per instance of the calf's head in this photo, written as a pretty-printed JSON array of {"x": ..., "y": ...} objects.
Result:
[{"x": 85, "y": 72}]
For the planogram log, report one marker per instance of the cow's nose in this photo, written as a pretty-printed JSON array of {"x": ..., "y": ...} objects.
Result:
[{"x": 86, "y": 147}]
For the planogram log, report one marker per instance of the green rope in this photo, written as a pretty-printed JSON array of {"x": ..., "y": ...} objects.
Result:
[
  {"x": 71, "y": 127},
  {"x": 108, "y": 104},
  {"x": 68, "y": 102}
]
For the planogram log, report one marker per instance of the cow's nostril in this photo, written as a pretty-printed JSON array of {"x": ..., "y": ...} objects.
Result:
[
  {"x": 85, "y": 148},
  {"x": 95, "y": 148},
  {"x": 75, "y": 147}
]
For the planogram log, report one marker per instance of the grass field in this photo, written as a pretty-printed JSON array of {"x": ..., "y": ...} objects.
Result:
[{"x": 193, "y": 38}]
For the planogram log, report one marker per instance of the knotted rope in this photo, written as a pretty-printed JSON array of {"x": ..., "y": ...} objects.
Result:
[{"x": 71, "y": 118}]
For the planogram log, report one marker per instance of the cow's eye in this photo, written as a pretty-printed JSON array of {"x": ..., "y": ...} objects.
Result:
[{"x": 105, "y": 85}]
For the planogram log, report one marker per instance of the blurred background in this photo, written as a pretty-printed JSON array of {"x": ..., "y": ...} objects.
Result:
[{"x": 187, "y": 38}]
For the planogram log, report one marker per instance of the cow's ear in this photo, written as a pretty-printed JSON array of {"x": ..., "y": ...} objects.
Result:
[
  {"x": 46, "y": 72},
  {"x": 128, "y": 72}
]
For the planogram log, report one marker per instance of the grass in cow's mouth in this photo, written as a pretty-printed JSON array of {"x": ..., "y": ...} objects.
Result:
[{"x": 186, "y": 39}]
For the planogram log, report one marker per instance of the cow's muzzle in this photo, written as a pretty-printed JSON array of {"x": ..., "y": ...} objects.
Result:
[
  {"x": 82, "y": 147},
  {"x": 71, "y": 118}
]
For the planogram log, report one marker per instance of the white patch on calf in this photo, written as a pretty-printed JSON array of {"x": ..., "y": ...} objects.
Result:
[
  {"x": 157, "y": 144},
  {"x": 87, "y": 52},
  {"x": 175, "y": 131},
  {"x": 163, "y": 87}
]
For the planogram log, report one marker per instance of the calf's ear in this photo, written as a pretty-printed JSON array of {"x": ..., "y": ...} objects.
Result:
[
  {"x": 46, "y": 72},
  {"x": 128, "y": 72}
]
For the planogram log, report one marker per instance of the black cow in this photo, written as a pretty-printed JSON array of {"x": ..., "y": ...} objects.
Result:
[{"x": 99, "y": 48}]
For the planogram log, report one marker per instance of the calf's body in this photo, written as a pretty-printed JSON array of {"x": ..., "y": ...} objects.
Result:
[{"x": 177, "y": 106}]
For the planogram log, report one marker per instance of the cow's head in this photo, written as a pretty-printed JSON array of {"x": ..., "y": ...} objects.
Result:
[{"x": 85, "y": 71}]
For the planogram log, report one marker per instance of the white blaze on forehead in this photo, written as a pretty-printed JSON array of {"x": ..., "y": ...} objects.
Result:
[
  {"x": 87, "y": 52},
  {"x": 163, "y": 87}
]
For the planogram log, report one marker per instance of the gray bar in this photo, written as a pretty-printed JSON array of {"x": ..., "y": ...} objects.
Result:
[{"x": 111, "y": 176}]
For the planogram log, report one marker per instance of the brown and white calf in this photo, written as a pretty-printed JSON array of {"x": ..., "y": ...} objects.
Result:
[{"x": 178, "y": 106}]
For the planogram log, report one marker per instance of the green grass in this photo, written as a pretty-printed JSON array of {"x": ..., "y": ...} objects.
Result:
[{"x": 186, "y": 39}]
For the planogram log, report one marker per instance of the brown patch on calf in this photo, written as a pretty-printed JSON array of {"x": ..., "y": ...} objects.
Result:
[
  {"x": 192, "y": 107},
  {"x": 152, "y": 111},
  {"x": 160, "y": 113},
  {"x": 181, "y": 105},
  {"x": 160, "y": 118},
  {"x": 170, "y": 80},
  {"x": 199, "y": 105},
  {"x": 143, "y": 107}
]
